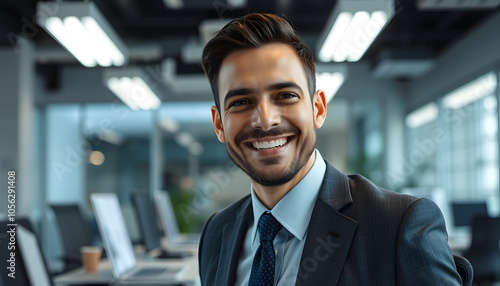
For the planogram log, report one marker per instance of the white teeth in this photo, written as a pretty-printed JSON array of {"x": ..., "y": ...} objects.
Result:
[{"x": 269, "y": 145}]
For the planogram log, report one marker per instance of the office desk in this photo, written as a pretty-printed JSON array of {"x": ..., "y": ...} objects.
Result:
[
  {"x": 459, "y": 246},
  {"x": 459, "y": 241},
  {"x": 104, "y": 276}
]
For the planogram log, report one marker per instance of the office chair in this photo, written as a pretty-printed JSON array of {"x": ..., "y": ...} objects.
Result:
[
  {"x": 74, "y": 231},
  {"x": 21, "y": 273},
  {"x": 464, "y": 269},
  {"x": 484, "y": 252}
]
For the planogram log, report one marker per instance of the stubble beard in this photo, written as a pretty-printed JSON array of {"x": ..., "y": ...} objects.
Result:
[{"x": 273, "y": 179}]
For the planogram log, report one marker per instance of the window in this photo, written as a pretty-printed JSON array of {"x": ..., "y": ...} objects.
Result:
[
  {"x": 458, "y": 149},
  {"x": 422, "y": 156},
  {"x": 473, "y": 149}
]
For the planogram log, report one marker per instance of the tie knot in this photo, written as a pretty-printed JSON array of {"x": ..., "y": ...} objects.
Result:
[{"x": 268, "y": 227}]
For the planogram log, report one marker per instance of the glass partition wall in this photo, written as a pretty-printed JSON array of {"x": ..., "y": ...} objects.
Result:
[{"x": 455, "y": 146}]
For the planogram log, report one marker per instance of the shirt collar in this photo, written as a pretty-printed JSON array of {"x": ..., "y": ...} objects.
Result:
[{"x": 294, "y": 210}]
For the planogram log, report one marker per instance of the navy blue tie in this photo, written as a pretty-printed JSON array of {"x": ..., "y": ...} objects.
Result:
[{"x": 265, "y": 260}]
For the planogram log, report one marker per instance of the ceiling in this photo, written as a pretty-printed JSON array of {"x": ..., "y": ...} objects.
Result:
[
  {"x": 154, "y": 32},
  {"x": 411, "y": 31}
]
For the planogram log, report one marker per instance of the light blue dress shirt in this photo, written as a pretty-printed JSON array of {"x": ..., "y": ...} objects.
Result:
[{"x": 294, "y": 212}]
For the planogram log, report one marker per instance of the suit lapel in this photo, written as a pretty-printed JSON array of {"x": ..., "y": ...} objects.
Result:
[
  {"x": 330, "y": 233},
  {"x": 231, "y": 245}
]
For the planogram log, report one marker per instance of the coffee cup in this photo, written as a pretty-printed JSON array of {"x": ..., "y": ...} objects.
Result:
[{"x": 90, "y": 258}]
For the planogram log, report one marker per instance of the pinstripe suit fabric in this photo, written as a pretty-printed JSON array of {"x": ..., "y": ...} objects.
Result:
[{"x": 359, "y": 234}]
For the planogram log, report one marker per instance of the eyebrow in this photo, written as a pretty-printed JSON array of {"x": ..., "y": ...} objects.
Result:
[{"x": 246, "y": 91}]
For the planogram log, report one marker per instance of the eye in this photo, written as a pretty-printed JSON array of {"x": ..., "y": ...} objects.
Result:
[
  {"x": 238, "y": 103},
  {"x": 288, "y": 95}
]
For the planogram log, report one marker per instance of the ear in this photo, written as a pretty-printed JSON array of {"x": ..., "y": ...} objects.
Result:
[
  {"x": 219, "y": 131},
  {"x": 319, "y": 102}
]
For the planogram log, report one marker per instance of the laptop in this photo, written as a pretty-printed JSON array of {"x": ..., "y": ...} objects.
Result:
[
  {"x": 168, "y": 222},
  {"x": 32, "y": 257},
  {"x": 148, "y": 225},
  {"x": 119, "y": 246}
]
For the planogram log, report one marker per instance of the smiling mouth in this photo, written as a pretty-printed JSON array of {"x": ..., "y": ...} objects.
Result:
[{"x": 269, "y": 145}]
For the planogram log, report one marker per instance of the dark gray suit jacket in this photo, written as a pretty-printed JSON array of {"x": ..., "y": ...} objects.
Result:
[{"x": 359, "y": 234}]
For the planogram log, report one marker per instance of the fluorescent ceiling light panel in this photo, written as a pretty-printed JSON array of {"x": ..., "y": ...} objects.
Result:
[
  {"x": 402, "y": 67},
  {"x": 422, "y": 116},
  {"x": 111, "y": 136},
  {"x": 329, "y": 78},
  {"x": 329, "y": 83},
  {"x": 174, "y": 4},
  {"x": 183, "y": 83},
  {"x": 184, "y": 139},
  {"x": 457, "y": 4},
  {"x": 129, "y": 86},
  {"x": 195, "y": 148},
  {"x": 170, "y": 125},
  {"x": 472, "y": 91},
  {"x": 191, "y": 52},
  {"x": 209, "y": 27},
  {"x": 83, "y": 31},
  {"x": 352, "y": 28},
  {"x": 187, "y": 112}
]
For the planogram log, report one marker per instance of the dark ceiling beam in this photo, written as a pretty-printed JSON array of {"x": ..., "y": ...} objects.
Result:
[
  {"x": 129, "y": 9},
  {"x": 158, "y": 22},
  {"x": 10, "y": 22},
  {"x": 283, "y": 6},
  {"x": 448, "y": 21},
  {"x": 422, "y": 36}
]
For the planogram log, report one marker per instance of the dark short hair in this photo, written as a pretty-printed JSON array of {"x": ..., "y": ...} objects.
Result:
[{"x": 253, "y": 31}]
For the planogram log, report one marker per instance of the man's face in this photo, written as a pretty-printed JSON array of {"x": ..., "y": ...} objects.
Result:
[{"x": 267, "y": 119}]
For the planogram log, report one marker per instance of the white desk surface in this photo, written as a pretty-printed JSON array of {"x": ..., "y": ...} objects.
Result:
[
  {"x": 459, "y": 241},
  {"x": 104, "y": 275}
]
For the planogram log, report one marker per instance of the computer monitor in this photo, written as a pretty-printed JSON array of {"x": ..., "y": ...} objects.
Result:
[
  {"x": 464, "y": 212},
  {"x": 168, "y": 221},
  {"x": 148, "y": 221},
  {"x": 124, "y": 264},
  {"x": 114, "y": 232}
]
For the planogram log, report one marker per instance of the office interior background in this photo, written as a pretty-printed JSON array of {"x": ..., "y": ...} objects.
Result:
[{"x": 417, "y": 113}]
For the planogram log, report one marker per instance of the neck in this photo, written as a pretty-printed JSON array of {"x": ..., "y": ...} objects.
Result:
[{"x": 269, "y": 196}]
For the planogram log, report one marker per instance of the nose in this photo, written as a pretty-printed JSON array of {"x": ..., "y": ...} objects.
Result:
[{"x": 265, "y": 116}]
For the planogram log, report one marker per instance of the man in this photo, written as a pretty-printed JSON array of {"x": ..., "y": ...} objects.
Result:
[{"x": 304, "y": 223}]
